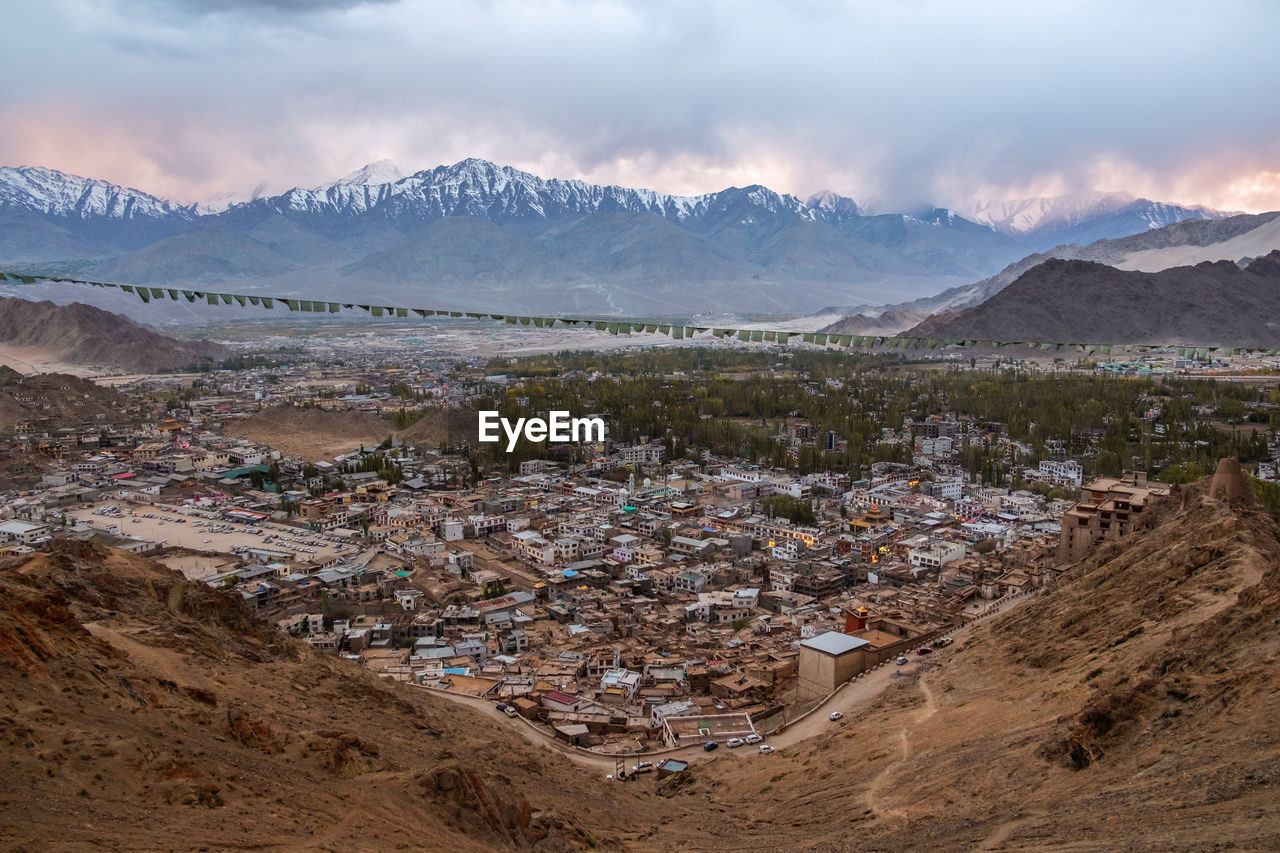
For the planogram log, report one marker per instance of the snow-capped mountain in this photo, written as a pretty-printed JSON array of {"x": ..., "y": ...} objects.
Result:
[
  {"x": 1021, "y": 216},
  {"x": 224, "y": 201},
  {"x": 475, "y": 187},
  {"x": 381, "y": 172},
  {"x": 475, "y": 233},
  {"x": 1081, "y": 217},
  {"x": 53, "y": 193},
  {"x": 374, "y": 174},
  {"x": 827, "y": 200}
]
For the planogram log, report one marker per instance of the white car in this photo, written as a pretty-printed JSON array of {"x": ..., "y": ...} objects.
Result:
[
  {"x": 755, "y": 739},
  {"x": 765, "y": 749},
  {"x": 734, "y": 742},
  {"x": 835, "y": 715}
]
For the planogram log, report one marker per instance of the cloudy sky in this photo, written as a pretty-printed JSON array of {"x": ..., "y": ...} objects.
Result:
[{"x": 893, "y": 103}]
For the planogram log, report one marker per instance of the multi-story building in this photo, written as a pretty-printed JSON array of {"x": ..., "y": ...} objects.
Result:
[
  {"x": 644, "y": 454},
  {"x": 1107, "y": 510}
]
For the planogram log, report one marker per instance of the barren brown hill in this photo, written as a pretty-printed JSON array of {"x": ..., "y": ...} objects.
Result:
[
  {"x": 56, "y": 398},
  {"x": 139, "y": 711},
  {"x": 1212, "y": 303},
  {"x": 82, "y": 334},
  {"x": 315, "y": 434},
  {"x": 436, "y": 425},
  {"x": 1130, "y": 708}
]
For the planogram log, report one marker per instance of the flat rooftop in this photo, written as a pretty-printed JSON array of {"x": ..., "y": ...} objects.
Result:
[{"x": 834, "y": 643}]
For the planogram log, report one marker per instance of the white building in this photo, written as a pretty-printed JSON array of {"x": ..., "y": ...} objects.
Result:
[
  {"x": 947, "y": 488},
  {"x": 1059, "y": 472},
  {"x": 935, "y": 555},
  {"x": 644, "y": 454},
  {"x": 25, "y": 532},
  {"x": 530, "y": 545}
]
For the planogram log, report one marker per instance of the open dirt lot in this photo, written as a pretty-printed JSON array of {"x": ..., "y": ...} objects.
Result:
[{"x": 168, "y": 526}]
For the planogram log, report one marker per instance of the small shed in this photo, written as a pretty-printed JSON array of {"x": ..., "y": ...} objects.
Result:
[
  {"x": 575, "y": 734},
  {"x": 671, "y": 767}
]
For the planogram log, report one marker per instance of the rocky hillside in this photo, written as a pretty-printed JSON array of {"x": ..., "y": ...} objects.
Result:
[
  {"x": 1128, "y": 708},
  {"x": 58, "y": 398},
  {"x": 313, "y": 434},
  {"x": 1211, "y": 303},
  {"x": 139, "y": 711},
  {"x": 82, "y": 334}
]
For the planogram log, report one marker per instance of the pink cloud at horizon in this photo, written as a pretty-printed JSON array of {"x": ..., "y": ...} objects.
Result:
[{"x": 176, "y": 157}]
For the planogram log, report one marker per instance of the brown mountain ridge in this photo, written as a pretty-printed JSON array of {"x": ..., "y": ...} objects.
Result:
[
  {"x": 1217, "y": 303},
  {"x": 81, "y": 334}
]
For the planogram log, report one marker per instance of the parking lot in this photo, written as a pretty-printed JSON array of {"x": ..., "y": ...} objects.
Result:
[{"x": 194, "y": 529}]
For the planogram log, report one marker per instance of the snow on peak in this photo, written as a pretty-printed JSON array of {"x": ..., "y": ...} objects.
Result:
[
  {"x": 55, "y": 193},
  {"x": 372, "y": 175},
  {"x": 1019, "y": 216},
  {"x": 224, "y": 201},
  {"x": 832, "y": 202}
]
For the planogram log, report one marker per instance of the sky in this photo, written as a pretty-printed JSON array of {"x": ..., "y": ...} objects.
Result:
[{"x": 895, "y": 104}]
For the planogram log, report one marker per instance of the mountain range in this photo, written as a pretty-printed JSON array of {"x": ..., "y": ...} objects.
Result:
[{"x": 479, "y": 235}]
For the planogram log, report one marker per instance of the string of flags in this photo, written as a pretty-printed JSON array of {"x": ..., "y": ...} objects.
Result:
[{"x": 627, "y": 327}]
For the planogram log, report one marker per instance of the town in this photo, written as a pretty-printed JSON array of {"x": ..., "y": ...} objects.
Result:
[{"x": 649, "y": 588}]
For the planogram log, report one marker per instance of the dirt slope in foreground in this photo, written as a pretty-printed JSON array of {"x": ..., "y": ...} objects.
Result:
[
  {"x": 1133, "y": 707},
  {"x": 139, "y": 711}
]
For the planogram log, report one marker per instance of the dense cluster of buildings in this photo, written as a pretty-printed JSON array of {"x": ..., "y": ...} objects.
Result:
[
  {"x": 669, "y": 607},
  {"x": 580, "y": 601}
]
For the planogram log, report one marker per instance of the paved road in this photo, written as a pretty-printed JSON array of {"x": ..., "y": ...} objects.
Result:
[{"x": 849, "y": 699}]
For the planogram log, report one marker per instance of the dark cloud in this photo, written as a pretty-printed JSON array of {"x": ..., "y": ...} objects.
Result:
[{"x": 901, "y": 104}]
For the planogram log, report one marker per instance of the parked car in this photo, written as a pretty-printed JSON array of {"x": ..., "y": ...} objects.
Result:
[
  {"x": 711, "y": 746},
  {"x": 944, "y": 642},
  {"x": 765, "y": 749},
  {"x": 755, "y": 739},
  {"x": 642, "y": 767},
  {"x": 734, "y": 742},
  {"x": 835, "y": 715},
  {"x": 900, "y": 660},
  {"x": 924, "y": 650}
]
